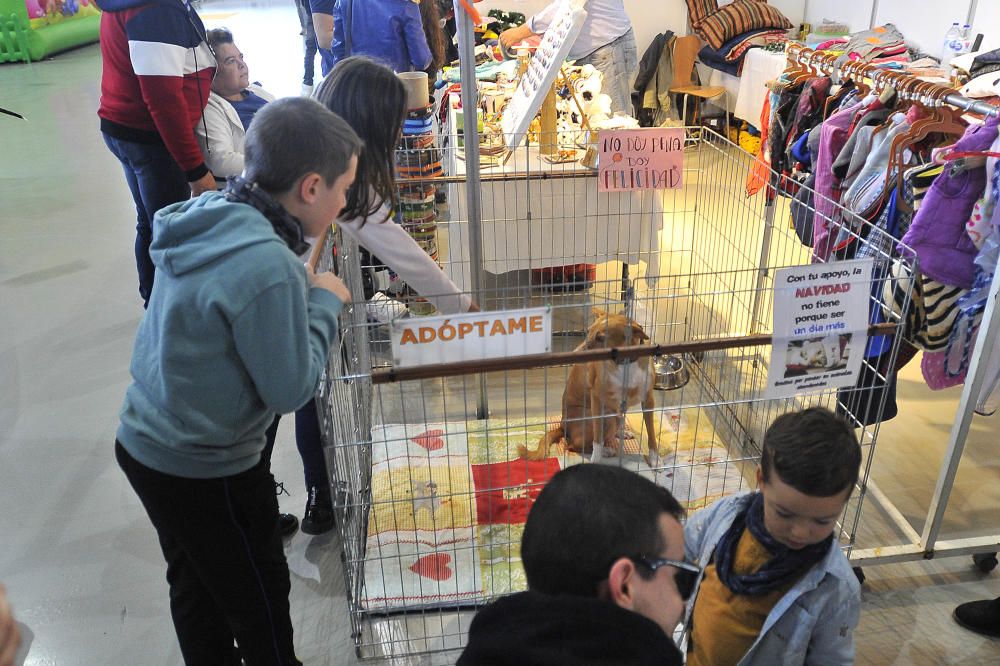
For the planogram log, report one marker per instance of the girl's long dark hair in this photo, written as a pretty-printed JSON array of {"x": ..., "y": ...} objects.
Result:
[
  {"x": 373, "y": 102},
  {"x": 430, "y": 18}
]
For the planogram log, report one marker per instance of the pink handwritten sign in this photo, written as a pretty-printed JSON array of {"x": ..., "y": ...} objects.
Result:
[{"x": 640, "y": 159}]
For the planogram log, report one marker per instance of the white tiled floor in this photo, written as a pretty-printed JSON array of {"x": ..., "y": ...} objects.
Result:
[{"x": 77, "y": 553}]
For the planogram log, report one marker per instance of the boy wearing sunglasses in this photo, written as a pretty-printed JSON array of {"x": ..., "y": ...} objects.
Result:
[
  {"x": 603, "y": 551},
  {"x": 777, "y": 588}
]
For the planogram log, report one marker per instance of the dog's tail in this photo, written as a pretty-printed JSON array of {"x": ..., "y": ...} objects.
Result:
[{"x": 542, "y": 450}]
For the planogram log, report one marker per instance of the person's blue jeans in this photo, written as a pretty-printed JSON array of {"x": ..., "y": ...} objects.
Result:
[
  {"x": 156, "y": 181},
  {"x": 618, "y": 63},
  {"x": 309, "y": 441},
  {"x": 309, "y": 36},
  {"x": 326, "y": 61}
]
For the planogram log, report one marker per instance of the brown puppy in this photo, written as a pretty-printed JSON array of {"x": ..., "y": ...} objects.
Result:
[{"x": 597, "y": 393}]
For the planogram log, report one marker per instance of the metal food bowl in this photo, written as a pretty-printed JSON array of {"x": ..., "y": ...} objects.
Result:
[{"x": 671, "y": 373}]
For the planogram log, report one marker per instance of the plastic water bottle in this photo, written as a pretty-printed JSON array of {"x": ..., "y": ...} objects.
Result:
[
  {"x": 952, "y": 44},
  {"x": 966, "y": 38}
]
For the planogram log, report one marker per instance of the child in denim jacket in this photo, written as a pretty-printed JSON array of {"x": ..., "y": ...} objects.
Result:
[{"x": 777, "y": 589}]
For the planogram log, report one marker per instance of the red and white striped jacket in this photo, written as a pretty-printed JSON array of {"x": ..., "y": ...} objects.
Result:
[{"x": 157, "y": 76}]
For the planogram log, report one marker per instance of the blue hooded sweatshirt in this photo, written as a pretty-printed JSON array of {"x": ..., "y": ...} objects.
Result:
[{"x": 233, "y": 335}]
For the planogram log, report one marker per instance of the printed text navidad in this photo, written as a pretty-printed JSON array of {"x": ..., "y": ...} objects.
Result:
[{"x": 819, "y": 307}]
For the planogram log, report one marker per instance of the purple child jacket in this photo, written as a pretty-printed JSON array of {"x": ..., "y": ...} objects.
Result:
[{"x": 937, "y": 235}]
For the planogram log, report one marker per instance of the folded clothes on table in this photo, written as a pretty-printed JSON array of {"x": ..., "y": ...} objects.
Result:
[
  {"x": 411, "y": 127},
  {"x": 415, "y": 158},
  {"x": 422, "y": 113},
  {"x": 418, "y": 141},
  {"x": 425, "y": 171},
  {"x": 418, "y": 218},
  {"x": 417, "y": 209}
]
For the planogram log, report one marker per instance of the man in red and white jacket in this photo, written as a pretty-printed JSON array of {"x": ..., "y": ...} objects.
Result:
[{"x": 154, "y": 88}]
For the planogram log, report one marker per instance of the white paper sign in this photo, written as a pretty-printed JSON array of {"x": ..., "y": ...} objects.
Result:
[
  {"x": 820, "y": 327},
  {"x": 649, "y": 158},
  {"x": 543, "y": 68},
  {"x": 473, "y": 336}
]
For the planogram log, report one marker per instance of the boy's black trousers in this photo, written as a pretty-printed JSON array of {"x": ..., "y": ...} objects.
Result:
[{"x": 225, "y": 563}]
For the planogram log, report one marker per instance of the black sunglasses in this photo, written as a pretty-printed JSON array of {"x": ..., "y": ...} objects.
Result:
[{"x": 685, "y": 577}]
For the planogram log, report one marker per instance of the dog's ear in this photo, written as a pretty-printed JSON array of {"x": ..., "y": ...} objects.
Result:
[
  {"x": 598, "y": 313},
  {"x": 595, "y": 339},
  {"x": 638, "y": 332}
]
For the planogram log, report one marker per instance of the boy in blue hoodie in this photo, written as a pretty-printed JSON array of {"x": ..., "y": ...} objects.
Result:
[
  {"x": 237, "y": 330},
  {"x": 777, "y": 588}
]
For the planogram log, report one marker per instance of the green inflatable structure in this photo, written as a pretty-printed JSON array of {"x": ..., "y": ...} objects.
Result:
[{"x": 33, "y": 29}]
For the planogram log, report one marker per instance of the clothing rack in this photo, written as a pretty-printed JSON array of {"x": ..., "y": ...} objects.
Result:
[
  {"x": 833, "y": 64},
  {"x": 927, "y": 542}
]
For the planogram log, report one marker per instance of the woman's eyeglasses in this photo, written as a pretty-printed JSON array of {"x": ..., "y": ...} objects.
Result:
[{"x": 685, "y": 577}]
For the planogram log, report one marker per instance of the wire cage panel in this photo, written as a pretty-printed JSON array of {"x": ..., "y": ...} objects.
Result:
[{"x": 432, "y": 499}]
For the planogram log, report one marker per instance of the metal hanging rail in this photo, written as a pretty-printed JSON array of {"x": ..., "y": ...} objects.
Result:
[{"x": 833, "y": 64}]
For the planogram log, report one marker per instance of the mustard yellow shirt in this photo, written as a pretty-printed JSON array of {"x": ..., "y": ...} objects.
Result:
[{"x": 724, "y": 625}]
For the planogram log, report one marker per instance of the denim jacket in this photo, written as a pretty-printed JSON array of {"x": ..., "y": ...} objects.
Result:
[{"x": 813, "y": 623}]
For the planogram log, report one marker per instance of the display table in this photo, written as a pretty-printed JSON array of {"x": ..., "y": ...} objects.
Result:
[
  {"x": 759, "y": 67},
  {"x": 529, "y": 222}
]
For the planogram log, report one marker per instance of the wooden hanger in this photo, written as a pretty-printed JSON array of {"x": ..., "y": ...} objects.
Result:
[
  {"x": 952, "y": 123},
  {"x": 807, "y": 72},
  {"x": 915, "y": 90},
  {"x": 812, "y": 69},
  {"x": 944, "y": 120},
  {"x": 795, "y": 69},
  {"x": 793, "y": 72},
  {"x": 857, "y": 70},
  {"x": 834, "y": 100},
  {"x": 884, "y": 80}
]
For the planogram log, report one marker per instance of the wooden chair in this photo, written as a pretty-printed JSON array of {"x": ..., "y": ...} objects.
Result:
[{"x": 685, "y": 53}]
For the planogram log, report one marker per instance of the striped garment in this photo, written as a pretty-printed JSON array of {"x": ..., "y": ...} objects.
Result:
[
  {"x": 916, "y": 182},
  {"x": 699, "y": 10},
  {"x": 738, "y": 17},
  {"x": 932, "y": 310}
]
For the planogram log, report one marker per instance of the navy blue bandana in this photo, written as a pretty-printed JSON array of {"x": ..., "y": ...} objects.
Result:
[
  {"x": 286, "y": 225},
  {"x": 785, "y": 564}
]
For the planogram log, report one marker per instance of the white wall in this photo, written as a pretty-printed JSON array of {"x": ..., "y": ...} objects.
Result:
[
  {"x": 857, "y": 13},
  {"x": 649, "y": 17},
  {"x": 987, "y": 21},
  {"x": 922, "y": 22},
  {"x": 793, "y": 9}
]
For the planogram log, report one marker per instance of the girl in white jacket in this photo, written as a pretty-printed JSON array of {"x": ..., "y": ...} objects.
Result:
[{"x": 372, "y": 100}]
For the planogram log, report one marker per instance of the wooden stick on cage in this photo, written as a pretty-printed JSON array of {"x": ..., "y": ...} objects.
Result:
[{"x": 317, "y": 249}]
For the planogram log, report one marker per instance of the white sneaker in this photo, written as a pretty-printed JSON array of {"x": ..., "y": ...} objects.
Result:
[
  {"x": 307, "y": 90},
  {"x": 383, "y": 309}
]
